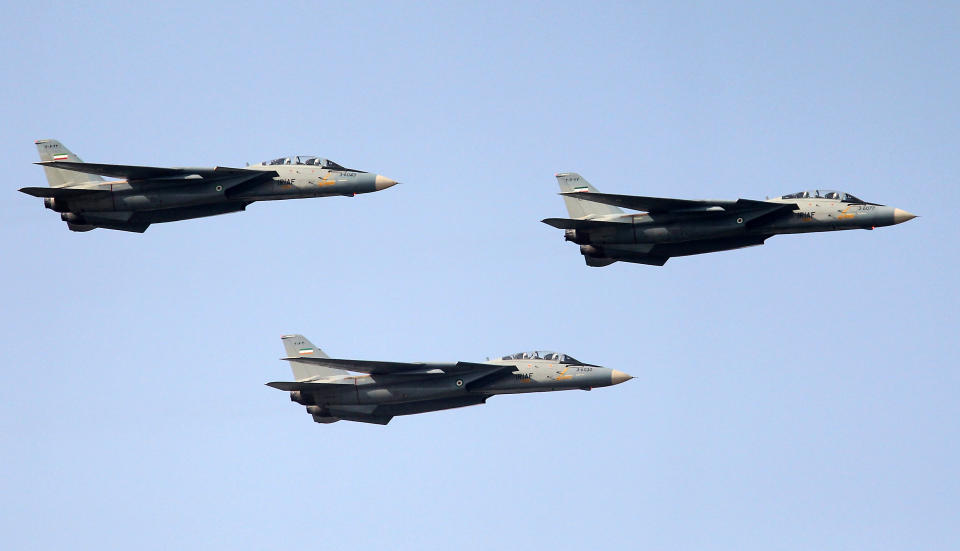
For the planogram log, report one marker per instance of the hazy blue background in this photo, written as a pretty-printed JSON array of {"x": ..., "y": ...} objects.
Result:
[{"x": 800, "y": 395}]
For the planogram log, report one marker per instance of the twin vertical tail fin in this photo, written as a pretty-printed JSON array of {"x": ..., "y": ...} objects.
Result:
[
  {"x": 52, "y": 150},
  {"x": 297, "y": 346},
  {"x": 571, "y": 181}
]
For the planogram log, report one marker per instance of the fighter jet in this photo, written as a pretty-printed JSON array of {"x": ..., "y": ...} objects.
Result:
[
  {"x": 147, "y": 195},
  {"x": 375, "y": 391},
  {"x": 681, "y": 227}
]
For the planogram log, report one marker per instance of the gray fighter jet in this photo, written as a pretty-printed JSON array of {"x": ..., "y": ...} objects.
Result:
[
  {"x": 681, "y": 227},
  {"x": 147, "y": 195},
  {"x": 377, "y": 391}
]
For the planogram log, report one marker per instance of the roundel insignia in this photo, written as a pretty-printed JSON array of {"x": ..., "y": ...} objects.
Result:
[{"x": 459, "y": 382}]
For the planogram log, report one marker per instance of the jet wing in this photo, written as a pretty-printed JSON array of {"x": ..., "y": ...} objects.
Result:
[
  {"x": 132, "y": 172},
  {"x": 129, "y": 172},
  {"x": 492, "y": 372},
  {"x": 399, "y": 368},
  {"x": 366, "y": 366},
  {"x": 648, "y": 204},
  {"x": 664, "y": 204}
]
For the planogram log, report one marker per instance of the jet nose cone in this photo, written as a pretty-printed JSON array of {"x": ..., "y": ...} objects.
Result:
[
  {"x": 382, "y": 182},
  {"x": 900, "y": 216},
  {"x": 617, "y": 377}
]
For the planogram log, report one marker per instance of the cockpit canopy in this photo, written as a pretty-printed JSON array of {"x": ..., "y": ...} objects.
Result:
[
  {"x": 543, "y": 355},
  {"x": 309, "y": 160},
  {"x": 824, "y": 194}
]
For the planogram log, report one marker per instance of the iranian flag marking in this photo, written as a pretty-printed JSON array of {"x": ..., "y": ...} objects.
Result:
[
  {"x": 305, "y": 351},
  {"x": 60, "y": 157},
  {"x": 580, "y": 189}
]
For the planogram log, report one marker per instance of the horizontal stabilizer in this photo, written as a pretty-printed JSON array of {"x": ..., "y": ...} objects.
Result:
[
  {"x": 571, "y": 224},
  {"x": 291, "y": 385},
  {"x": 62, "y": 193}
]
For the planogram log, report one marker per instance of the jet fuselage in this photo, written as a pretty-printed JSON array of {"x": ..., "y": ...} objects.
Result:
[
  {"x": 678, "y": 227},
  {"x": 382, "y": 390},
  {"x": 145, "y": 195},
  {"x": 815, "y": 216}
]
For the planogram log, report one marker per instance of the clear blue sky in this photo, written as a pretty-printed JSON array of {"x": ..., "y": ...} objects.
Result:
[{"x": 800, "y": 395}]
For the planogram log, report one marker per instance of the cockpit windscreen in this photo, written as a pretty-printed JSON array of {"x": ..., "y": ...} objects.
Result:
[
  {"x": 309, "y": 160},
  {"x": 825, "y": 194},
  {"x": 544, "y": 355}
]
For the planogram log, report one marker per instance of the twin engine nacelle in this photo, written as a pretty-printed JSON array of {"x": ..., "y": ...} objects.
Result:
[
  {"x": 580, "y": 238},
  {"x": 591, "y": 251},
  {"x": 76, "y": 222},
  {"x": 321, "y": 415},
  {"x": 302, "y": 398},
  {"x": 52, "y": 204}
]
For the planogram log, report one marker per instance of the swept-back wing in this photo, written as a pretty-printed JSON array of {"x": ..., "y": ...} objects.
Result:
[
  {"x": 648, "y": 204},
  {"x": 133, "y": 172},
  {"x": 664, "y": 204},
  {"x": 484, "y": 374},
  {"x": 382, "y": 368},
  {"x": 366, "y": 366},
  {"x": 129, "y": 172}
]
